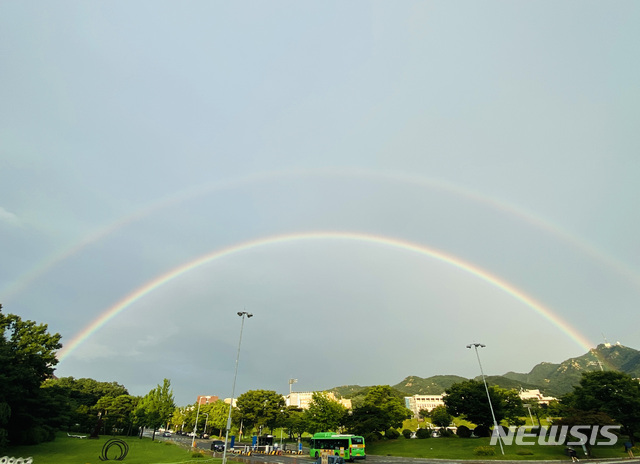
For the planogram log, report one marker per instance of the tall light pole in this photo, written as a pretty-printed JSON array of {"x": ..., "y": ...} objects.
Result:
[
  {"x": 495, "y": 422},
  {"x": 291, "y": 382},
  {"x": 205, "y": 423},
  {"x": 195, "y": 426},
  {"x": 242, "y": 314}
]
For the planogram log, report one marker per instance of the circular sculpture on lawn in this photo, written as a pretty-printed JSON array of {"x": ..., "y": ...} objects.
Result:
[{"x": 120, "y": 444}]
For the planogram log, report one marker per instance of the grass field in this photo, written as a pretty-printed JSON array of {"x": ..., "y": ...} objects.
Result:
[
  {"x": 463, "y": 448},
  {"x": 65, "y": 450}
]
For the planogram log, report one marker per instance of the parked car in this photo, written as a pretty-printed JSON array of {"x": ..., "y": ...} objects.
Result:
[
  {"x": 217, "y": 445},
  {"x": 166, "y": 434}
]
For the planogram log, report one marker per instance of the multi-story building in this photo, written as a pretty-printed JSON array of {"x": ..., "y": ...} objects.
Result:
[
  {"x": 303, "y": 399},
  {"x": 417, "y": 403},
  {"x": 535, "y": 395},
  {"x": 202, "y": 399}
]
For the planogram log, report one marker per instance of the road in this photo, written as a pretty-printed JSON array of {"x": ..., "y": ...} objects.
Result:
[{"x": 306, "y": 459}]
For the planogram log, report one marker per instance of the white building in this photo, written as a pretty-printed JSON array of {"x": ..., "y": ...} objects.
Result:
[
  {"x": 303, "y": 399},
  {"x": 417, "y": 403},
  {"x": 535, "y": 395}
]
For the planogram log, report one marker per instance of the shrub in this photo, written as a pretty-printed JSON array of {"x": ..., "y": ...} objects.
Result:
[
  {"x": 446, "y": 433},
  {"x": 524, "y": 452},
  {"x": 197, "y": 455},
  {"x": 373, "y": 436},
  {"x": 464, "y": 431},
  {"x": 407, "y": 433},
  {"x": 391, "y": 434},
  {"x": 423, "y": 433},
  {"x": 484, "y": 451},
  {"x": 482, "y": 431}
]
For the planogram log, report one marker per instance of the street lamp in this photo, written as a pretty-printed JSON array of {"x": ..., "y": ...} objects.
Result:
[
  {"x": 291, "y": 382},
  {"x": 195, "y": 426},
  {"x": 495, "y": 423},
  {"x": 242, "y": 314},
  {"x": 205, "y": 423},
  {"x": 281, "y": 427}
]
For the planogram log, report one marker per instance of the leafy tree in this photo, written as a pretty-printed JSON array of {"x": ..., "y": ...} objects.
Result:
[
  {"x": 324, "y": 414},
  {"x": 212, "y": 415},
  {"x": 295, "y": 424},
  {"x": 258, "y": 408},
  {"x": 81, "y": 397},
  {"x": 27, "y": 357},
  {"x": 611, "y": 392},
  {"x": 440, "y": 416},
  {"x": 511, "y": 405},
  {"x": 117, "y": 413},
  {"x": 218, "y": 413},
  {"x": 469, "y": 399},
  {"x": 179, "y": 418},
  {"x": 156, "y": 407},
  {"x": 380, "y": 411}
]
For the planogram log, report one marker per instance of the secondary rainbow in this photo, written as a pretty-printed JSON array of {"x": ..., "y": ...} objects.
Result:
[
  {"x": 23, "y": 282},
  {"x": 161, "y": 280}
]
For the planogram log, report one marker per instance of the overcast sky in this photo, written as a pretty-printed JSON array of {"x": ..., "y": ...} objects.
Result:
[{"x": 137, "y": 137}]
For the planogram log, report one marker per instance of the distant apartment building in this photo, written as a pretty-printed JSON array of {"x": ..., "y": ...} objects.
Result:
[
  {"x": 203, "y": 399},
  {"x": 417, "y": 403},
  {"x": 303, "y": 399}
]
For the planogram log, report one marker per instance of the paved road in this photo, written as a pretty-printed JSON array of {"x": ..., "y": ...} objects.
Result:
[
  {"x": 371, "y": 459},
  {"x": 288, "y": 459}
]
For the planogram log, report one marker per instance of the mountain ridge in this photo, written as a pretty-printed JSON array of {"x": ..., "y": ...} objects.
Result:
[{"x": 552, "y": 379}]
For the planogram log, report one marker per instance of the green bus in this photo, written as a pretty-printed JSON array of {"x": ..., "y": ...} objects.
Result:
[{"x": 349, "y": 447}]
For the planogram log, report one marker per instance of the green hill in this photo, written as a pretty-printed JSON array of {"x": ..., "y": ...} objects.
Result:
[{"x": 434, "y": 385}]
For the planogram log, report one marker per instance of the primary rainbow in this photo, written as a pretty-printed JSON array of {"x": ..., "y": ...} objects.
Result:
[{"x": 150, "y": 286}]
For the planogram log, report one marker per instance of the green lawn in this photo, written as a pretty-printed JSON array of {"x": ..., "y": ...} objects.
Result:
[
  {"x": 65, "y": 450},
  {"x": 463, "y": 448}
]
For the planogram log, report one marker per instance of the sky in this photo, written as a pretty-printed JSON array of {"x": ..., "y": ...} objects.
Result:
[{"x": 379, "y": 183}]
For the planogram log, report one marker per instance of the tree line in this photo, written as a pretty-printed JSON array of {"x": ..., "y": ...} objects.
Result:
[{"x": 34, "y": 404}]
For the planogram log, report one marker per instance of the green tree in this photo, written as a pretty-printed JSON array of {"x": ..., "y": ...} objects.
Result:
[
  {"x": 218, "y": 413},
  {"x": 258, "y": 408},
  {"x": 611, "y": 392},
  {"x": 440, "y": 416},
  {"x": 469, "y": 399},
  {"x": 511, "y": 405},
  {"x": 27, "y": 357},
  {"x": 179, "y": 418},
  {"x": 81, "y": 399},
  {"x": 381, "y": 410},
  {"x": 117, "y": 413},
  {"x": 295, "y": 424},
  {"x": 323, "y": 414},
  {"x": 156, "y": 407}
]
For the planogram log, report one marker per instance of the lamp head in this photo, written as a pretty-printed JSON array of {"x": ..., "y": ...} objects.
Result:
[
  {"x": 240, "y": 313},
  {"x": 249, "y": 315}
]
